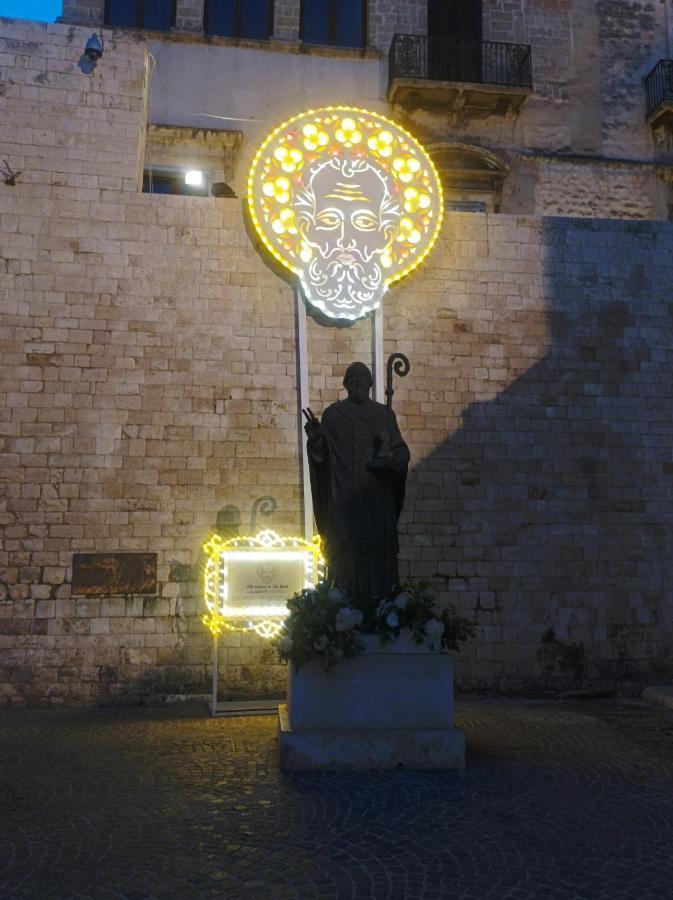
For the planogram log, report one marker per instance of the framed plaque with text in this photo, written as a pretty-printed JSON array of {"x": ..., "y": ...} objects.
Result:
[{"x": 248, "y": 580}]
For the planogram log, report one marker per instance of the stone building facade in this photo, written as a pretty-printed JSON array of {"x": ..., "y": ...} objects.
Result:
[
  {"x": 580, "y": 140},
  {"x": 148, "y": 388}
]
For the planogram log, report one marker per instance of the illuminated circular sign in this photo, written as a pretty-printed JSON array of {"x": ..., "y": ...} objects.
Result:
[{"x": 347, "y": 200}]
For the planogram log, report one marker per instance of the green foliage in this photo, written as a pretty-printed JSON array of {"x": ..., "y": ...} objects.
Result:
[
  {"x": 322, "y": 622},
  {"x": 457, "y": 629}
]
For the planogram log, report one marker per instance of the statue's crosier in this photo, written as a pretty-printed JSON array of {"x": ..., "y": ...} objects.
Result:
[
  {"x": 358, "y": 463},
  {"x": 348, "y": 201}
]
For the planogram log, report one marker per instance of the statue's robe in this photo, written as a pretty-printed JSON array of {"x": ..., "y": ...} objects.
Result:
[{"x": 356, "y": 509}]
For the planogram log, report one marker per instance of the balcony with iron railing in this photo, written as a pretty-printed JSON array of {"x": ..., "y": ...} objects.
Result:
[
  {"x": 659, "y": 94},
  {"x": 491, "y": 76}
]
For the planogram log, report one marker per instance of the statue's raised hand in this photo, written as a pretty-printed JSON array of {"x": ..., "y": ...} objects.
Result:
[{"x": 312, "y": 425}]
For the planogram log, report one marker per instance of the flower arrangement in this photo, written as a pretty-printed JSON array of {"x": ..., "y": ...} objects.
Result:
[
  {"x": 322, "y": 622},
  {"x": 414, "y": 608}
]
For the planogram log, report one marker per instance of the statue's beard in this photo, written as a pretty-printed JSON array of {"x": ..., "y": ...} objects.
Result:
[{"x": 344, "y": 288}]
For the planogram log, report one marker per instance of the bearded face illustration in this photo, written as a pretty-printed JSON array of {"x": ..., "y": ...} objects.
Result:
[
  {"x": 346, "y": 200},
  {"x": 348, "y": 220}
]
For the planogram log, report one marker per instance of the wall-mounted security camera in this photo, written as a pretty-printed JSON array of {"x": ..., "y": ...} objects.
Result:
[{"x": 93, "y": 48}]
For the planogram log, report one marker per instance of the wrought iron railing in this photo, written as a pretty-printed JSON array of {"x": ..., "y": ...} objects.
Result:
[
  {"x": 446, "y": 59},
  {"x": 659, "y": 85}
]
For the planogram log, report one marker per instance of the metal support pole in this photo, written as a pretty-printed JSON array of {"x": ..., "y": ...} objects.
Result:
[
  {"x": 302, "y": 403},
  {"x": 213, "y": 702},
  {"x": 377, "y": 355}
]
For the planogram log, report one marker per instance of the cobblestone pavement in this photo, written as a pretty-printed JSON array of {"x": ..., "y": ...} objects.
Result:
[{"x": 559, "y": 800}]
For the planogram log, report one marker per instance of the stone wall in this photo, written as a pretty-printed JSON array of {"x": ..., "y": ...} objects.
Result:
[
  {"x": 541, "y": 495},
  {"x": 386, "y": 17},
  {"x": 66, "y": 129},
  {"x": 148, "y": 392},
  {"x": 83, "y": 11},
  {"x": 286, "y": 20},
  {"x": 566, "y": 189},
  {"x": 189, "y": 16}
]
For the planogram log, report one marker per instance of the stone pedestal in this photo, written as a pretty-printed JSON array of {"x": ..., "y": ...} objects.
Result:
[{"x": 390, "y": 707}]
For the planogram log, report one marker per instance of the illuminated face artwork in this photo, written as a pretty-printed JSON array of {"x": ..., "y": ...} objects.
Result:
[
  {"x": 348, "y": 219},
  {"x": 348, "y": 201}
]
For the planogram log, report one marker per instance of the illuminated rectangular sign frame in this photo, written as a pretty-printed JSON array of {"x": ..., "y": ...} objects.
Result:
[{"x": 267, "y": 546}]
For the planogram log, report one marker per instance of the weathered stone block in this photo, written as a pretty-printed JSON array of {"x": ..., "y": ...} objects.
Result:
[
  {"x": 392, "y": 706},
  {"x": 45, "y": 609}
]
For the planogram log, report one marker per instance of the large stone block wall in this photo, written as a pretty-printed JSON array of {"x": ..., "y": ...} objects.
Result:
[
  {"x": 286, "y": 20},
  {"x": 148, "y": 393},
  {"x": 386, "y": 17},
  {"x": 83, "y": 11},
  {"x": 544, "y": 504},
  {"x": 546, "y": 26},
  {"x": 566, "y": 189},
  {"x": 99, "y": 398}
]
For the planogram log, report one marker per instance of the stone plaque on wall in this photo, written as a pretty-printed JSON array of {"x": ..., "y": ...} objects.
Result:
[{"x": 97, "y": 574}]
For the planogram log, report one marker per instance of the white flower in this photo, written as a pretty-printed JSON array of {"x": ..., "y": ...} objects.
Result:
[
  {"x": 347, "y": 617},
  {"x": 391, "y": 620},
  {"x": 285, "y": 645},
  {"x": 382, "y": 607},
  {"x": 434, "y": 628},
  {"x": 335, "y": 595},
  {"x": 343, "y": 619},
  {"x": 402, "y": 600}
]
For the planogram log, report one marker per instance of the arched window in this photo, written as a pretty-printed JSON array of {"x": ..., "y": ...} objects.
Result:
[
  {"x": 472, "y": 178},
  {"x": 155, "y": 15},
  {"x": 239, "y": 18},
  {"x": 338, "y": 23}
]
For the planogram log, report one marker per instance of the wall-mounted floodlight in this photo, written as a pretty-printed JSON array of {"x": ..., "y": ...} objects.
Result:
[{"x": 194, "y": 177}]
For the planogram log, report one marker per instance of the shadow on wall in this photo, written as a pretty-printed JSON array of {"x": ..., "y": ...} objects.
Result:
[{"x": 553, "y": 504}]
